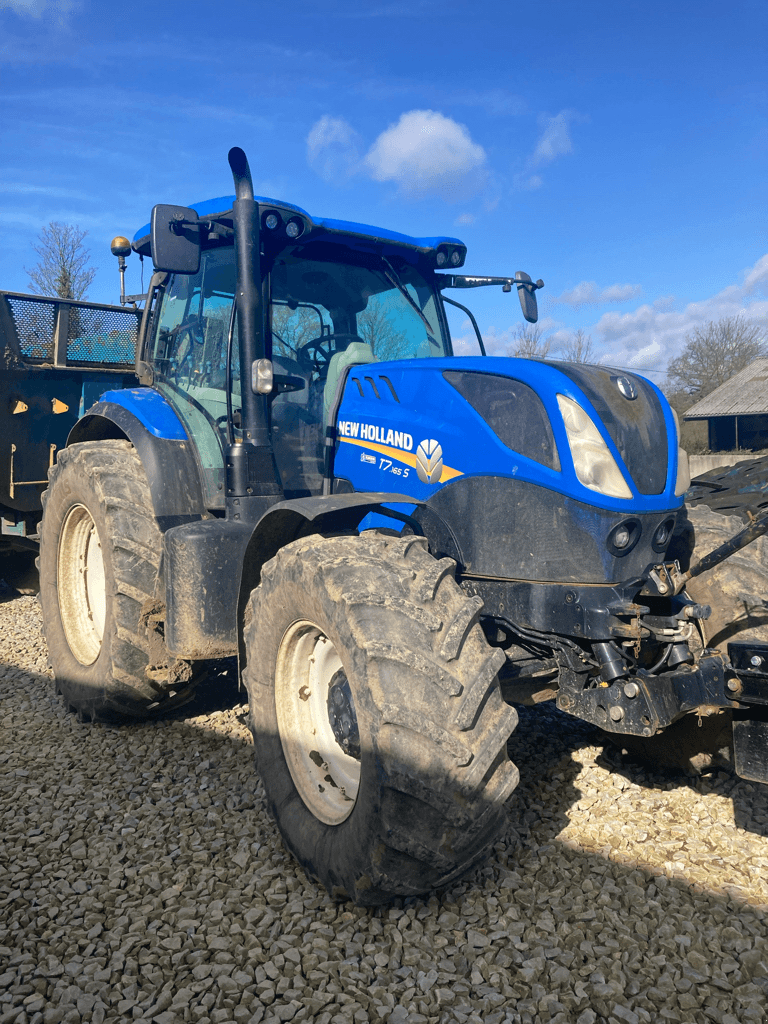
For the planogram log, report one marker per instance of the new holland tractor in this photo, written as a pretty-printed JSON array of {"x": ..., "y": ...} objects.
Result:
[{"x": 392, "y": 539}]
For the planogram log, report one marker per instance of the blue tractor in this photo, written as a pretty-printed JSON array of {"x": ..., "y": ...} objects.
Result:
[{"x": 396, "y": 542}]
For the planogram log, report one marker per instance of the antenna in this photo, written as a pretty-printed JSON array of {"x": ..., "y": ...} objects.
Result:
[{"x": 121, "y": 247}]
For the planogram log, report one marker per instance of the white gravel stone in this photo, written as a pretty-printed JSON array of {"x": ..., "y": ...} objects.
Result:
[{"x": 143, "y": 880}]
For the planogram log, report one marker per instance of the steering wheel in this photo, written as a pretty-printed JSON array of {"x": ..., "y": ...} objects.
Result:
[
  {"x": 186, "y": 334},
  {"x": 315, "y": 355}
]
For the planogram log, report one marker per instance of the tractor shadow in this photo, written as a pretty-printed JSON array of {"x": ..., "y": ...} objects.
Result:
[{"x": 217, "y": 690}]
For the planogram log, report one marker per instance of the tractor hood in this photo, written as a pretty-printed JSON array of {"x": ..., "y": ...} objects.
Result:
[
  {"x": 527, "y": 470},
  {"x": 441, "y": 419}
]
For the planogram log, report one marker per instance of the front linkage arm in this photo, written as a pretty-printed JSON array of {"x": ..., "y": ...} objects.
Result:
[{"x": 667, "y": 578}]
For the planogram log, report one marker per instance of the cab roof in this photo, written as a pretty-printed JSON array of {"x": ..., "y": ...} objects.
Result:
[{"x": 357, "y": 236}]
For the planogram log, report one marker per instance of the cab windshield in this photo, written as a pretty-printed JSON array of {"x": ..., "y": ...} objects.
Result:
[{"x": 322, "y": 306}]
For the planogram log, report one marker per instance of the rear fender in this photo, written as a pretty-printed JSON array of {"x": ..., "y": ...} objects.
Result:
[{"x": 169, "y": 461}]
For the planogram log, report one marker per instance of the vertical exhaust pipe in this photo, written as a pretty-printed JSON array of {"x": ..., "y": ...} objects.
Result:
[{"x": 252, "y": 480}]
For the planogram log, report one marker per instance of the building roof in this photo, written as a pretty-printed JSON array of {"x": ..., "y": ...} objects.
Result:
[{"x": 745, "y": 394}]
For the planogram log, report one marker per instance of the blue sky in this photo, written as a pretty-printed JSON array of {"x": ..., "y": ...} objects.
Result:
[{"x": 619, "y": 151}]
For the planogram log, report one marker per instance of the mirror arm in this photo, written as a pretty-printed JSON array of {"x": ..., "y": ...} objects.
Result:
[{"x": 465, "y": 281}]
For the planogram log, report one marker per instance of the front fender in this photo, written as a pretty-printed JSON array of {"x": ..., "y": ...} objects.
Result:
[{"x": 288, "y": 520}]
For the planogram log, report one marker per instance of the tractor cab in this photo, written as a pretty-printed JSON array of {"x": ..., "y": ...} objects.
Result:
[{"x": 329, "y": 307}]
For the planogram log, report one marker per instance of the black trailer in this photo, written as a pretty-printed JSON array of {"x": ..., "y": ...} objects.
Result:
[{"x": 57, "y": 356}]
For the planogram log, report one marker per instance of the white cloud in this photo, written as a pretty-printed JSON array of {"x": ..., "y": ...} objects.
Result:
[
  {"x": 493, "y": 101},
  {"x": 426, "y": 153},
  {"x": 649, "y": 336},
  {"x": 757, "y": 276},
  {"x": 465, "y": 220},
  {"x": 34, "y": 8},
  {"x": 586, "y": 293},
  {"x": 643, "y": 339},
  {"x": 534, "y": 181},
  {"x": 499, "y": 341},
  {"x": 554, "y": 142},
  {"x": 58, "y": 10},
  {"x": 333, "y": 148},
  {"x": 50, "y": 191},
  {"x": 555, "y": 139}
]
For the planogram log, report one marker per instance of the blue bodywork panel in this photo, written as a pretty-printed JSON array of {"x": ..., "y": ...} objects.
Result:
[
  {"x": 378, "y": 436},
  {"x": 151, "y": 409},
  {"x": 362, "y": 232}
]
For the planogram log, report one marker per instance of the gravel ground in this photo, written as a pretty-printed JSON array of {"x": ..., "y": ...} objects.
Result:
[{"x": 141, "y": 879}]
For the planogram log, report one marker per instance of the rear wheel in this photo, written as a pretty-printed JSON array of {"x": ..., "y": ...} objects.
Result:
[
  {"x": 379, "y": 727},
  {"x": 99, "y": 560}
]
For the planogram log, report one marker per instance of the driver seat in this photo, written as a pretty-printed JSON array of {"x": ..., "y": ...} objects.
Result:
[{"x": 355, "y": 354}]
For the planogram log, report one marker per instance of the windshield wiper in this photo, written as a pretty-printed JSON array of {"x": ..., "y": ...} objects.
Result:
[{"x": 392, "y": 276}]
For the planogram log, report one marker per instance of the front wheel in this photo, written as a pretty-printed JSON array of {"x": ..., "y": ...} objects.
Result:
[{"x": 379, "y": 727}]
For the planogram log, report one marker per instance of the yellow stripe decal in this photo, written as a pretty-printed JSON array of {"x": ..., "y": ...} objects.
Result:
[{"x": 400, "y": 456}]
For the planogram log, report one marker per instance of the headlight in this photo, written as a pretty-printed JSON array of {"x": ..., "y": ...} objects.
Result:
[
  {"x": 683, "y": 481},
  {"x": 595, "y": 466}
]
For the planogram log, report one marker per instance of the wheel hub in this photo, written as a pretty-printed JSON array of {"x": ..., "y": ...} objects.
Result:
[
  {"x": 81, "y": 584},
  {"x": 341, "y": 715},
  {"x": 317, "y": 722}
]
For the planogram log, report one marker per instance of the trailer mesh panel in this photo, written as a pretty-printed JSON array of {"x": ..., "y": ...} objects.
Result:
[
  {"x": 95, "y": 335},
  {"x": 101, "y": 336},
  {"x": 35, "y": 322}
]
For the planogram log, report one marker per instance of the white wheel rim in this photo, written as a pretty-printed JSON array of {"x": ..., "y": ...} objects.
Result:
[
  {"x": 325, "y": 775},
  {"x": 81, "y": 585}
]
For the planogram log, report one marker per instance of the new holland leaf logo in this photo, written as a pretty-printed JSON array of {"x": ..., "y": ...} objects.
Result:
[{"x": 429, "y": 461}]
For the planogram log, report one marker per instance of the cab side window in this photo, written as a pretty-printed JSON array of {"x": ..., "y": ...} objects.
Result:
[{"x": 190, "y": 359}]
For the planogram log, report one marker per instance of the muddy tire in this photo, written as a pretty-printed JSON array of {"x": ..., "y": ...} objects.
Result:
[
  {"x": 99, "y": 558},
  {"x": 737, "y": 589},
  {"x": 379, "y": 727}
]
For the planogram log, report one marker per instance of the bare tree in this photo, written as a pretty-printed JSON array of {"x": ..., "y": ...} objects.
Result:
[
  {"x": 375, "y": 326},
  {"x": 63, "y": 268},
  {"x": 529, "y": 342},
  {"x": 714, "y": 353},
  {"x": 292, "y": 328},
  {"x": 579, "y": 349}
]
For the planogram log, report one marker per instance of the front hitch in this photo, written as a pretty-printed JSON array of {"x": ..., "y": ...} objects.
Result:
[{"x": 643, "y": 704}]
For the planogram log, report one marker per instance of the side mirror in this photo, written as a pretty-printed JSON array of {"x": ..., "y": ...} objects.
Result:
[
  {"x": 526, "y": 292},
  {"x": 175, "y": 239}
]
